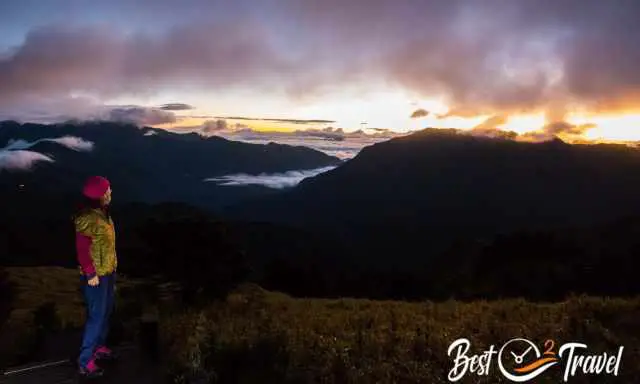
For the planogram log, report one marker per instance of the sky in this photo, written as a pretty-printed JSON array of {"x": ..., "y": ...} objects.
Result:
[{"x": 538, "y": 68}]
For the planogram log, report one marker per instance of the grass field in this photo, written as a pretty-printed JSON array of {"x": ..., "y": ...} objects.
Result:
[
  {"x": 48, "y": 299},
  {"x": 257, "y": 336}
]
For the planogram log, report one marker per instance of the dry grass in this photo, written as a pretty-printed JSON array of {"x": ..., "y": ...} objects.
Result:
[
  {"x": 39, "y": 287},
  {"x": 266, "y": 337},
  {"x": 257, "y": 336}
]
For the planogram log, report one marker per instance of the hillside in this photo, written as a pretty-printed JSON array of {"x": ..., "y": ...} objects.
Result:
[
  {"x": 333, "y": 237},
  {"x": 215, "y": 252},
  {"x": 147, "y": 164},
  {"x": 421, "y": 193},
  {"x": 254, "y": 335},
  {"x": 258, "y": 336}
]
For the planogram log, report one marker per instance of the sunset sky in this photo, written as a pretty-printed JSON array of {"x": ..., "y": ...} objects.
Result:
[{"x": 570, "y": 68}]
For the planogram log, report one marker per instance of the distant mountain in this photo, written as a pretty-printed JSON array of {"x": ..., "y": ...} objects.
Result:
[
  {"x": 149, "y": 165},
  {"x": 437, "y": 214},
  {"x": 414, "y": 196}
]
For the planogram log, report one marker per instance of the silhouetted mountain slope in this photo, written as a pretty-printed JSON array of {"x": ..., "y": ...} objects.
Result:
[
  {"x": 412, "y": 196},
  {"x": 163, "y": 166},
  {"x": 378, "y": 242},
  {"x": 188, "y": 244}
]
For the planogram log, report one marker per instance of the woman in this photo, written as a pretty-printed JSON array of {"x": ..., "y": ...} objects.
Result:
[{"x": 96, "y": 252}]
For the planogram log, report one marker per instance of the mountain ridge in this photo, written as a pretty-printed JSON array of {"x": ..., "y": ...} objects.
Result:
[
  {"x": 448, "y": 185},
  {"x": 164, "y": 166}
]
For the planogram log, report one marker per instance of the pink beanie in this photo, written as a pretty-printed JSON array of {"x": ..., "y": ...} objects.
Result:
[{"x": 95, "y": 187}]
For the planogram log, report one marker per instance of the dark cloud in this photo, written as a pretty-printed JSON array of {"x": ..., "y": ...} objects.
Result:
[
  {"x": 211, "y": 126},
  {"x": 79, "y": 110},
  {"x": 140, "y": 115},
  {"x": 294, "y": 121},
  {"x": 59, "y": 60},
  {"x": 561, "y": 127},
  {"x": 491, "y": 57},
  {"x": 494, "y": 55},
  {"x": 176, "y": 107},
  {"x": 419, "y": 113},
  {"x": 334, "y": 130},
  {"x": 49, "y": 110}
]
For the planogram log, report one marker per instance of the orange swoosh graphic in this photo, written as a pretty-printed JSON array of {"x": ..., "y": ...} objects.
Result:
[{"x": 535, "y": 364}]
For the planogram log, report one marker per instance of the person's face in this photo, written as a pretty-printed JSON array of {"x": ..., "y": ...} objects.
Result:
[{"x": 106, "y": 199}]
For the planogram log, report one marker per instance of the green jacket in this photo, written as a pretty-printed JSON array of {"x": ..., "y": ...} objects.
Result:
[{"x": 95, "y": 243}]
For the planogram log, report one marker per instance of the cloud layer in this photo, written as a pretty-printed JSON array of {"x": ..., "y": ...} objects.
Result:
[
  {"x": 273, "y": 180},
  {"x": 491, "y": 57},
  {"x": 140, "y": 115},
  {"x": 176, "y": 107},
  {"x": 294, "y": 121},
  {"x": 71, "y": 142},
  {"x": 330, "y": 140},
  {"x": 21, "y": 160},
  {"x": 17, "y": 156},
  {"x": 418, "y": 113},
  {"x": 59, "y": 60}
]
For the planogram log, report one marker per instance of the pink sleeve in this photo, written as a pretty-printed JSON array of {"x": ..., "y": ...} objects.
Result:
[{"x": 83, "y": 247}]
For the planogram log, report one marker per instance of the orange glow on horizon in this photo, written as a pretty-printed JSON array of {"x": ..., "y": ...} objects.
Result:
[
  {"x": 392, "y": 110},
  {"x": 458, "y": 122},
  {"x": 610, "y": 127},
  {"x": 188, "y": 123},
  {"x": 522, "y": 124}
]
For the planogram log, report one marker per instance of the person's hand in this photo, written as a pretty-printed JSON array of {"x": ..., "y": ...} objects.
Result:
[{"x": 94, "y": 281}]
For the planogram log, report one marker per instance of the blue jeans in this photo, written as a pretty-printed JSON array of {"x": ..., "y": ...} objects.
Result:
[{"x": 99, "y": 302}]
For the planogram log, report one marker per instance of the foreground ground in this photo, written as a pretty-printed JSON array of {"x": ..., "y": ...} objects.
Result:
[{"x": 255, "y": 336}]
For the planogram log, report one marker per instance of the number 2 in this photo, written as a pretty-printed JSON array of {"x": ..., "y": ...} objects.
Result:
[{"x": 549, "y": 345}]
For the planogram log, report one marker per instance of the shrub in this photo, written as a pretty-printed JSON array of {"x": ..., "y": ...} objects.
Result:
[
  {"x": 274, "y": 338},
  {"x": 199, "y": 254},
  {"x": 7, "y": 293}
]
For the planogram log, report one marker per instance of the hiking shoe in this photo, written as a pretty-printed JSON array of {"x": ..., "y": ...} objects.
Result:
[
  {"x": 104, "y": 353},
  {"x": 91, "y": 370}
]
